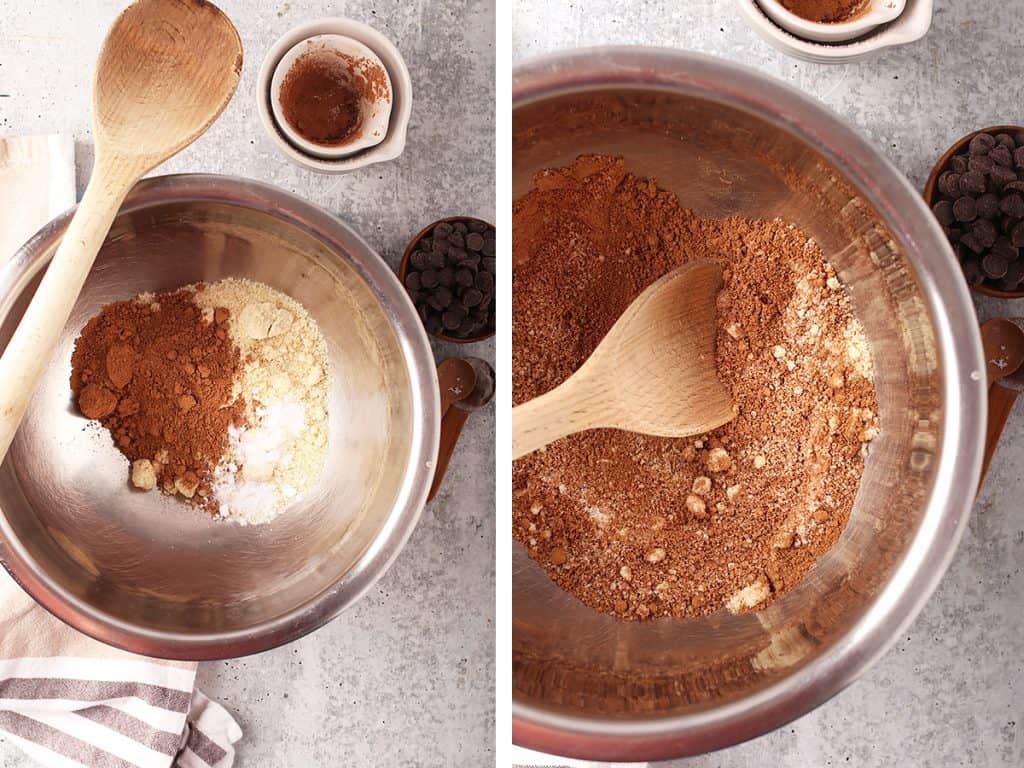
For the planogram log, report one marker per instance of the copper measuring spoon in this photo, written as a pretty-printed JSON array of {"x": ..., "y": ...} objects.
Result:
[
  {"x": 1003, "y": 342},
  {"x": 453, "y": 415}
]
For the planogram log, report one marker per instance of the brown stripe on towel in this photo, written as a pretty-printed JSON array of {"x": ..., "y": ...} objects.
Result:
[
  {"x": 208, "y": 751},
  {"x": 132, "y": 727},
  {"x": 93, "y": 690},
  {"x": 59, "y": 742}
]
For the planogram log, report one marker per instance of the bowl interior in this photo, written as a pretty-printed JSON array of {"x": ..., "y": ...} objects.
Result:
[
  {"x": 150, "y": 562},
  {"x": 571, "y": 662}
]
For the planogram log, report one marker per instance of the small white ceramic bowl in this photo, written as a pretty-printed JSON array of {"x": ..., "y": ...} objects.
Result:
[
  {"x": 375, "y": 112},
  {"x": 877, "y": 13},
  {"x": 401, "y": 96},
  {"x": 912, "y": 25}
]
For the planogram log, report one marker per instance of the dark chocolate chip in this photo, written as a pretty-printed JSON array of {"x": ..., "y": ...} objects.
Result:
[
  {"x": 965, "y": 209},
  {"x": 459, "y": 255},
  {"x": 436, "y": 260},
  {"x": 471, "y": 298},
  {"x": 476, "y": 226},
  {"x": 446, "y": 276},
  {"x": 1017, "y": 235},
  {"x": 1012, "y": 205},
  {"x": 1014, "y": 186},
  {"x": 981, "y": 144},
  {"x": 433, "y": 324},
  {"x": 428, "y": 278},
  {"x": 1006, "y": 140},
  {"x": 415, "y": 296},
  {"x": 474, "y": 241},
  {"x": 443, "y": 295},
  {"x": 484, "y": 281},
  {"x": 424, "y": 310},
  {"x": 1018, "y": 157},
  {"x": 949, "y": 184},
  {"x": 464, "y": 277},
  {"x": 970, "y": 242},
  {"x": 958, "y": 164},
  {"x": 442, "y": 230},
  {"x": 460, "y": 227},
  {"x": 488, "y": 249},
  {"x": 1012, "y": 279},
  {"x": 435, "y": 302},
  {"x": 972, "y": 272},
  {"x": 984, "y": 232},
  {"x": 457, "y": 239},
  {"x": 953, "y": 233},
  {"x": 466, "y": 328},
  {"x": 1019, "y": 138},
  {"x": 412, "y": 281},
  {"x": 980, "y": 163},
  {"x": 450, "y": 320},
  {"x": 491, "y": 265},
  {"x": 1003, "y": 247},
  {"x": 419, "y": 259},
  {"x": 994, "y": 266},
  {"x": 1001, "y": 176},
  {"x": 1002, "y": 156},
  {"x": 943, "y": 211},
  {"x": 1007, "y": 224},
  {"x": 988, "y": 205},
  {"x": 972, "y": 183}
]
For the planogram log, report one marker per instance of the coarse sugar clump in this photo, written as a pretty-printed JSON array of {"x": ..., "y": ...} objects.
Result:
[{"x": 643, "y": 526}]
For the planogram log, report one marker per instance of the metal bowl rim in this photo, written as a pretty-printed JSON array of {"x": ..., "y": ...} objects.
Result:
[
  {"x": 959, "y": 455},
  {"x": 412, "y": 492}
]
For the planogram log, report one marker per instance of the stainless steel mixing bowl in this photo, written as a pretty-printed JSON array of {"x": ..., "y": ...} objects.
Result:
[
  {"x": 729, "y": 141},
  {"x": 147, "y": 573}
]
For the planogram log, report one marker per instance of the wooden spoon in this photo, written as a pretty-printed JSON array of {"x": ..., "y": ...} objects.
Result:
[
  {"x": 654, "y": 372},
  {"x": 1003, "y": 342},
  {"x": 166, "y": 70}
]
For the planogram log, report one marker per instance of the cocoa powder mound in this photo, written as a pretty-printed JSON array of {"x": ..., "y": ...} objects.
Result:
[
  {"x": 643, "y": 526},
  {"x": 159, "y": 377}
]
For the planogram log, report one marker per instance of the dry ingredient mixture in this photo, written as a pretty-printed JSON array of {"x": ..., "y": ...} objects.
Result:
[
  {"x": 322, "y": 95},
  {"x": 215, "y": 392},
  {"x": 826, "y": 11},
  {"x": 643, "y": 526}
]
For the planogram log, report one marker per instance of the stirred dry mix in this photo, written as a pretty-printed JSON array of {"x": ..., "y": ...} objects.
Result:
[{"x": 642, "y": 526}]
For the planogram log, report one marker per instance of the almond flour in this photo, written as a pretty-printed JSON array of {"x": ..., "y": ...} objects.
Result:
[{"x": 642, "y": 526}]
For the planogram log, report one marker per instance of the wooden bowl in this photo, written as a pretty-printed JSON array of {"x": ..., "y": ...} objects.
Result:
[
  {"x": 933, "y": 177},
  {"x": 403, "y": 267}
]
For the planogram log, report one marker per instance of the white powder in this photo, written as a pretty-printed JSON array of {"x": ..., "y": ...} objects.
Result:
[{"x": 278, "y": 454}]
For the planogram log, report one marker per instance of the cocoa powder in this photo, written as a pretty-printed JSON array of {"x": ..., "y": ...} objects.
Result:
[
  {"x": 642, "y": 526},
  {"x": 159, "y": 377},
  {"x": 826, "y": 11}
]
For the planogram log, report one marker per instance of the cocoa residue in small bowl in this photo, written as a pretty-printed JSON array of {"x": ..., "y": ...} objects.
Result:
[
  {"x": 827, "y": 11},
  {"x": 325, "y": 92}
]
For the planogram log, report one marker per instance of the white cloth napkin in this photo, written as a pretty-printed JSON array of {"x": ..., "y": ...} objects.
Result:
[
  {"x": 66, "y": 699},
  {"x": 521, "y": 758}
]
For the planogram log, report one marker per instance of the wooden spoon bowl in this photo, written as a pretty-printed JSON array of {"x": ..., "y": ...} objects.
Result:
[{"x": 653, "y": 372}]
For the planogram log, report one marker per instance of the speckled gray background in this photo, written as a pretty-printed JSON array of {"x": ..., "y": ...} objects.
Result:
[
  {"x": 406, "y": 677},
  {"x": 951, "y": 691}
]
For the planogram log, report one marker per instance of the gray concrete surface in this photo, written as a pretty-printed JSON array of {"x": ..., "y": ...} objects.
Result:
[
  {"x": 405, "y": 678},
  {"x": 950, "y": 692}
]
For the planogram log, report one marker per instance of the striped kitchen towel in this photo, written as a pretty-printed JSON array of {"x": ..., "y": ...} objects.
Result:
[
  {"x": 65, "y": 699},
  {"x": 70, "y": 701}
]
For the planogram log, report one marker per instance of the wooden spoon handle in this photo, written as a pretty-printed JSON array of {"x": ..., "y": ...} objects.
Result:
[
  {"x": 1000, "y": 405},
  {"x": 31, "y": 346},
  {"x": 553, "y": 415}
]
